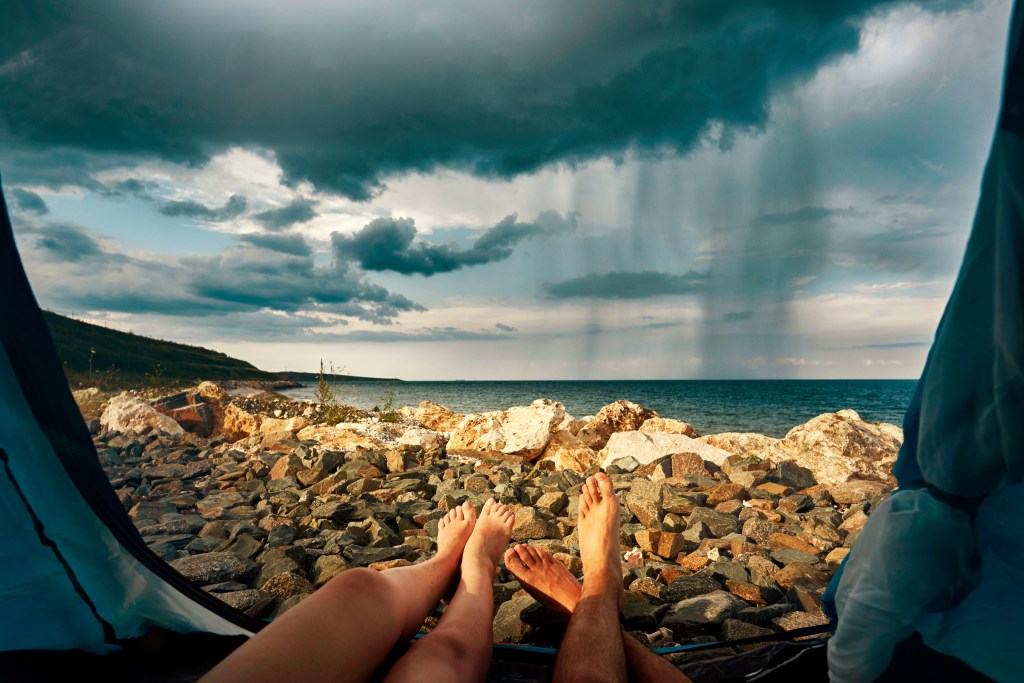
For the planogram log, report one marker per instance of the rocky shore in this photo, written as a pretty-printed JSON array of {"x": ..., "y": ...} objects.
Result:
[{"x": 725, "y": 536}]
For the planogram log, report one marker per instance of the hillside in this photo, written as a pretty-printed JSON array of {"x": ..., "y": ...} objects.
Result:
[{"x": 123, "y": 358}]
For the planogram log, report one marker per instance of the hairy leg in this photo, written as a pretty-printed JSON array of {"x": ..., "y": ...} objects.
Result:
[
  {"x": 459, "y": 649},
  {"x": 592, "y": 647},
  {"x": 345, "y": 630},
  {"x": 551, "y": 584}
]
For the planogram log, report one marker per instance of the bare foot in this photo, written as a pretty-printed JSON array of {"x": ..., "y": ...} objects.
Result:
[
  {"x": 454, "y": 530},
  {"x": 490, "y": 537},
  {"x": 544, "y": 578},
  {"x": 598, "y": 529}
]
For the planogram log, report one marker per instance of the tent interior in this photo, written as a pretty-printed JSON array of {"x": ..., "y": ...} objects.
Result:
[{"x": 80, "y": 590}]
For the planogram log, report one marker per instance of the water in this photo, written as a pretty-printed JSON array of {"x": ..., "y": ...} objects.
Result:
[{"x": 770, "y": 407}]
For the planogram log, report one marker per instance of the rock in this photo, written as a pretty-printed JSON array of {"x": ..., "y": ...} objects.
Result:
[
  {"x": 327, "y": 567},
  {"x": 744, "y": 443},
  {"x": 837, "y": 447},
  {"x": 529, "y": 525},
  {"x": 436, "y": 417},
  {"x": 348, "y": 438},
  {"x": 647, "y": 448},
  {"x": 250, "y": 602},
  {"x": 521, "y": 432},
  {"x": 427, "y": 439},
  {"x": 620, "y": 416},
  {"x": 795, "y": 620},
  {"x": 667, "y": 426},
  {"x": 726, "y": 491},
  {"x": 856, "y": 491},
  {"x": 215, "y": 568},
  {"x": 664, "y": 544},
  {"x": 720, "y": 524},
  {"x": 644, "y": 501},
  {"x": 508, "y": 624},
  {"x": 566, "y": 452},
  {"x": 188, "y": 409},
  {"x": 125, "y": 413},
  {"x": 238, "y": 424},
  {"x": 734, "y": 629},
  {"x": 554, "y": 502},
  {"x": 712, "y": 608},
  {"x": 639, "y": 614},
  {"x": 271, "y": 425},
  {"x": 286, "y": 585},
  {"x": 286, "y": 466},
  {"x": 686, "y": 587}
]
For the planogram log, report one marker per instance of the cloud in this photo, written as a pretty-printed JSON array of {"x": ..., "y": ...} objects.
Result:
[
  {"x": 429, "y": 334},
  {"x": 235, "y": 207},
  {"x": 894, "y": 345},
  {"x": 890, "y": 286},
  {"x": 67, "y": 243},
  {"x": 391, "y": 244},
  {"x": 505, "y": 328},
  {"x": 131, "y": 187},
  {"x": 29, "y": 201},
  {"x": 299, "y": 211},
  {"x": 807, "y": 214},
  {"x": 295, "y": 245},
  {"x": 737, "y": 316},
  {"x": 347, "y": 95},
  {"x": 624, "y": 285}
]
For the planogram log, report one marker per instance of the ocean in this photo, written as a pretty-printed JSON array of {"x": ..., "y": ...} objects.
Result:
[{"x": 770, "y": 407}]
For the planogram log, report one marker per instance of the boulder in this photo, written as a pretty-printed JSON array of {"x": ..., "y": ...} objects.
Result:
[
  {"x": 188, "y": 409},
  {"x": 567, "y": 452},
  {"x": 125, "y": 413},
  {"x": 621, "y": 416},
  {"x": 427, "y": 439},
  {"x": 668, "y": 426},
  {"x": 744, "y": 443},
  {"x": 520, "y": 432},
  {"x": 436, "y": 417},
  {"x": 215, "y": 568},
  {"x": 838, "y": 447},
  {"x": 712, "y": 608},
  {"x": 648, "y": 447},
  {"x": 340, "y": 438},
  {"x": 271, "y": 425},
  {"x": 238, "y": 423}
]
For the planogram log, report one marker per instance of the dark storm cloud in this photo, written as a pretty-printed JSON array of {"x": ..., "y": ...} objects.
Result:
[
  {"x": 299, "y": 211},
  {"x": 622, "y": 285},
  {"x": 349, "y": 94},
  {"x": 505, "y": 328},
  {"x": 69, "y": 243},
  {"x": 391, "y": 244},
  {"x": 29, "y": 201},
  {"x": 235, "y": 207},
  {"x": 295, "y": 245}
]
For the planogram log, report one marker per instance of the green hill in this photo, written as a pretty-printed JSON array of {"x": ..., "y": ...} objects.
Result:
[{"x": 122, "y": 358}]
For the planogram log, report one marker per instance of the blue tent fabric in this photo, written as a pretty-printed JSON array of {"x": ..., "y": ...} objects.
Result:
[
  {"x": 942, "y": 555},
  {"x": 75, "y": 573}
]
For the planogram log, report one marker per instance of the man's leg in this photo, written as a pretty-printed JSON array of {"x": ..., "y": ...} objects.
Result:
[
  {"x": 592, "y": 649},
  {"x": 344, "y": 631},
  {"x": 459, "y": 649},
  {"x": 551, "y": 584}
]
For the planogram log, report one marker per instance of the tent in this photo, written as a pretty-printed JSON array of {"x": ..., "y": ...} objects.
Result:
[{"x": 76, "y": 577}]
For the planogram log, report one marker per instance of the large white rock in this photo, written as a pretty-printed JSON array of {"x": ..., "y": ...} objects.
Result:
[
  {"x": 620, "y": 416},
  {"x": 291, "y": 424},
  {"x": 436, "y": 417},
  {"x": 745, "y": 443},
  {"x": 648, "y": 447},
  {"x": 342, "y": 437},
  {"x": 522, "y": 431},
  {"x": 127, "y": 413},
  {"x": 566, "y": 452},
  {"x": 427, "y": 439},
  {"x": 838, "y": 447}
]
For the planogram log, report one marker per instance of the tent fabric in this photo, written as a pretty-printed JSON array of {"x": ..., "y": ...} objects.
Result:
[
  {"x": 75, "y": 572},
  {"x": 941, "y": 555}
]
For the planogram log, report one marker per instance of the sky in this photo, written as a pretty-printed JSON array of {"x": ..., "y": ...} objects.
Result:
[{"x": 478, "y": 189}]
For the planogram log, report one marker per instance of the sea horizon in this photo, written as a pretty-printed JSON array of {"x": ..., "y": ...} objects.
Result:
[{"x": 766, "y": 406}]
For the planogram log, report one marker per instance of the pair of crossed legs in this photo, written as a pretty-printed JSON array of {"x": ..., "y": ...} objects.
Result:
[{"x": 345, "y": 631}]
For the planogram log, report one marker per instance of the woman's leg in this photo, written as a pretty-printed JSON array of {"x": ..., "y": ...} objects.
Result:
[
  {"x": 459, "y": 649},
  {"x": 345, "y": 630}
]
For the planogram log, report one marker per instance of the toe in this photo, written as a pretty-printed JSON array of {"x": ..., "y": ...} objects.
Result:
[{"x": 604, "y": 485}]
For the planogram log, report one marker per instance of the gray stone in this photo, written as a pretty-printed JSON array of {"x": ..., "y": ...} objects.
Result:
[
  {"x": 530, "y": 525},
  {"x": 215, "y": 567},
  {"x": 508, "y": 623},
  {"x": 644, "y": 501},
  {"x": 252, "y": 602},
  {"x": 712, "y": 608},
  {"x": 719, "y": 523},
  {"x": 686, "y": 587},
  {"x": 787, "y": 556},
  {"x": 327, "y": 567}
]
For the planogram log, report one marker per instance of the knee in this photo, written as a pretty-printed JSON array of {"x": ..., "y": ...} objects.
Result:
[{"x": 360, "y": 584}]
